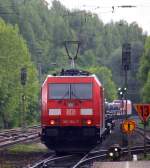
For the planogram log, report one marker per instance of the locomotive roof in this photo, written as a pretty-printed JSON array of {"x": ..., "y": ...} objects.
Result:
[
  {"x": 90, "y": 76},
  {"x": 74, "y": 73}
]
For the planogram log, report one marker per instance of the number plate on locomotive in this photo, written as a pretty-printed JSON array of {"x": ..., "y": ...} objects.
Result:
[{"x": 71, "y": 112}]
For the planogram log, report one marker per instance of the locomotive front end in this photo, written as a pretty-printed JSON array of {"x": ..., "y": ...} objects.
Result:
[{"x": 71, "y": 118}]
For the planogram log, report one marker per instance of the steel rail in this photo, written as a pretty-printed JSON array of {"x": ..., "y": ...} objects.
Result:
[
  {"x": 14, "y": 136},
  {"x": 50, "y": 159},
  {"x": 141, "y": 131},
  {"x": 134, "y": 150},
  {"x": 20, "y": 140},
  {"x": 14, "y": 130},
  {"x": 82, "y": 161},
  {"x": 46, "y": 161},
  {"x": 92, "y": 155}
]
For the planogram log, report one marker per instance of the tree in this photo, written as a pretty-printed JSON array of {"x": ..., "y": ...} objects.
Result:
[
  {"x": 145, "y": 62},
  {"x": 14, "y": 55},
  {"x": 144, "y": 72},
  {"x": 45, "y": 29},
  {"x": 146, "y": 90},
  {"x": 105, "y": 77}
]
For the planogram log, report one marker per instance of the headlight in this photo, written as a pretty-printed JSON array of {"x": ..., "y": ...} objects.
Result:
[
  {"x": 52, "y": 122},
  {"x": 86, "y": 111},
  {"x": 89, "y": 122},
  {"x": 52, "y": 112}
]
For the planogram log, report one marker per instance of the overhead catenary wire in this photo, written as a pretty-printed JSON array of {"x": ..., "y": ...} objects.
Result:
[{"x": 112, "y": 8}]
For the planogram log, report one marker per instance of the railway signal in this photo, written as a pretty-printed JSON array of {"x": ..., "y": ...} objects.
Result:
[
  {"x": 126, "y": 65},
  {"x": 114, "y": 152},
  {"x": 23, "y": 76},
  {"x": 122, "y": 91},
  {"x": 143, "y": 111},
  {"x": 128, "y": 126},
  {"x": 126, "y": 56}
]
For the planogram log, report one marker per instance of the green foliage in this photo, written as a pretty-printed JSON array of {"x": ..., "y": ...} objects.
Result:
[
  {"x": 105, "y": 77},
  {"x": 14, "y": 55},
  {"x": 144, "y": 72},
  {"x": 146, "y": 90},
  {"x": 44, "y": 31},
  {"x": 27, "y": 148},
  {"x": 145, "y": 62}
]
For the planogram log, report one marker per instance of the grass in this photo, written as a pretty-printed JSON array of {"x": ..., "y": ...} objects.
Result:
[
  {"x": 141, "y": 157},
  {"x": 21, "y": 155},
  {"x": 141, "y": 124},
  {"x": 27, "y": 148}
]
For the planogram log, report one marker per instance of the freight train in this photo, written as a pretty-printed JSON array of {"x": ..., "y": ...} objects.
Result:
[
  {"x": 72, "y": 113},
  {"x": 118, "y": 107}
]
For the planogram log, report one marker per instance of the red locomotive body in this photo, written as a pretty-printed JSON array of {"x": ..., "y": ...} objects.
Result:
[{"x": 72, "y": 113}]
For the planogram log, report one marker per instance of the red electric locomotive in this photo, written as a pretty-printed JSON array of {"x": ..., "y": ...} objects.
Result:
[{"x": 72, "y": 113}]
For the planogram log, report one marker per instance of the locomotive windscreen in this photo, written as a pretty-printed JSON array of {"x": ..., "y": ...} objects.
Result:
[
  {"x": 81, "y": 91},
  {"x": 70, "y": 91}
]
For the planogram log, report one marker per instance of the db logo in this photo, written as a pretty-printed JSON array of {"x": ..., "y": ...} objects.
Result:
[{"x": 71, "y": 112}]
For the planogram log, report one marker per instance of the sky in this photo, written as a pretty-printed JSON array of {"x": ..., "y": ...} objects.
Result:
[{"x": 108, "y": 10}]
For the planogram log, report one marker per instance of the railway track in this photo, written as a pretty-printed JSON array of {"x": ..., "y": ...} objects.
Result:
[
  {"x": 101, "y": 156},
  {"x": 141, "y": 132},
  {"x": 66, "y": 161},
  {"x": 76, "y": 161},
  {"x": 15, "y": 136},
  {"x": 51, "y": 160}
]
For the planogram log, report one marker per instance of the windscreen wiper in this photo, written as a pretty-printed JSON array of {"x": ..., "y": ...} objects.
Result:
[
  {"x": 66, "y": 93},
  {"x": 74, "y": 95}
]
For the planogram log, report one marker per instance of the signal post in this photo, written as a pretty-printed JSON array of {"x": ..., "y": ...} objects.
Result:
[
  {"x": 23, "y": 79},
  {"x": 126, "y": 64},
  {"x": 128, "y": 127}
]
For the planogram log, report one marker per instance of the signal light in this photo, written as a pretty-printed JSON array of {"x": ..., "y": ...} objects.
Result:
[
  {"x": 114, "y": 152},
  {"x": 122, "y": 91},
  {"x": 111, "y": 154},
  {"x": 116, "y": 149}
]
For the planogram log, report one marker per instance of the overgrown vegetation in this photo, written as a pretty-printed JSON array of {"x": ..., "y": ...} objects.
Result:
[
  {"x": 27, "y": 148},
  {"x": 144, "y": 72},
  {"x": 14, "y": 55},
  {"x": 44, "y": 31}
]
